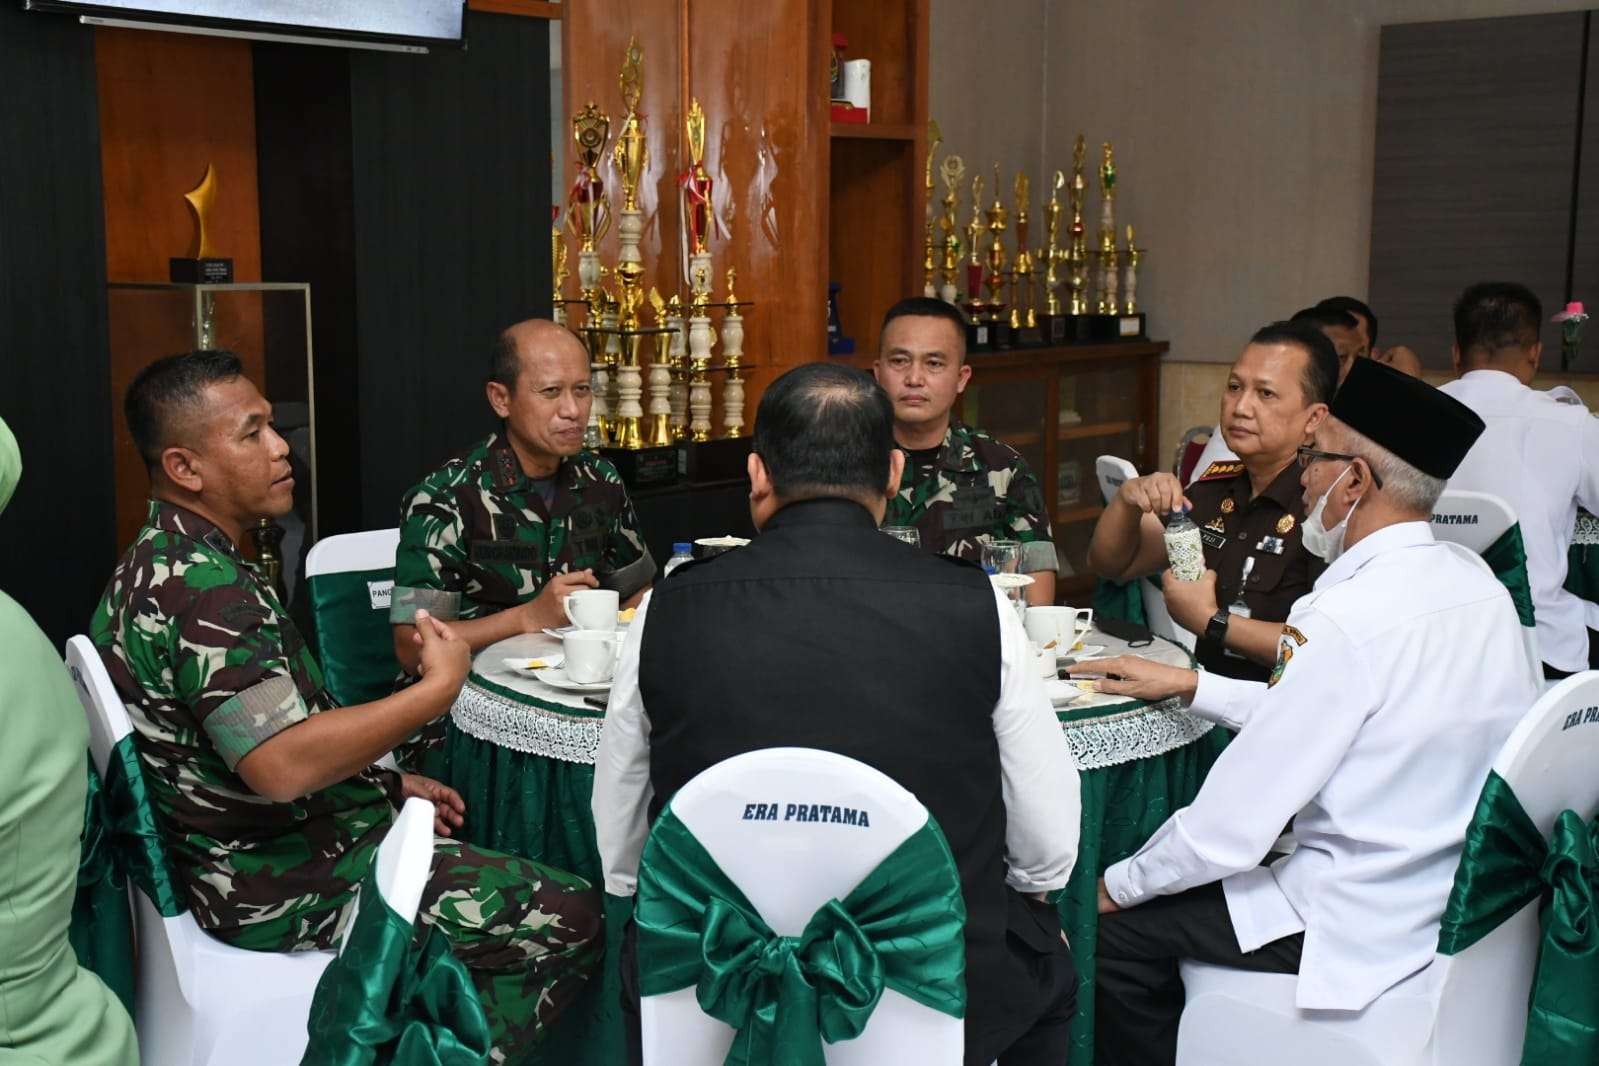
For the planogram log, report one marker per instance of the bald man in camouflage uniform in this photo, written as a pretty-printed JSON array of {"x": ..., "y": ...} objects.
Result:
[
  {"x": 217, "y": 680},
  {"x": 496, "y": 538},
  {"x": 961, "y": 488}
]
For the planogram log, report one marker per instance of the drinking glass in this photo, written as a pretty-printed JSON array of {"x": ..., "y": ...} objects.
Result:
[
  {"x": 1002, "y": 556},
  {"x": 907, "y": 534}
]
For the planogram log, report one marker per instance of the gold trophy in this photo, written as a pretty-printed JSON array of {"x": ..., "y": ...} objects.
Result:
[
  {"x": 930, "y": 257},
  {"x": 952, "y": 170},
  {"x": 1052, "y": 255},
  {"x": 677, "y": 395},
  {"x": 974, "y": 259},
  {"x": 1131, "y": 323},
  {"x": 558, "y": 275},
  {"x": 996, "y": 265},
  {"x": 1077, "y": 258},
  {"x": 696, "y": 183},
  {"x": 732, "y": 358},
  {"x": 630, "y": 157},
  {"x": 700, "y": 339},
  {"x": 660, "y": 432},
  {"x": 588, "y": 218},
  {"x": 1023, "y": 315},
  {"x": 202, "y": 266},
  {"x": 1107, "y": 233}
]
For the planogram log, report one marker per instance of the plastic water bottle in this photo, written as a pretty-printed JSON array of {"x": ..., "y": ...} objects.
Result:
[
  {"x": 1185, "y": 550},
  {"x": 681, "y": 553}
]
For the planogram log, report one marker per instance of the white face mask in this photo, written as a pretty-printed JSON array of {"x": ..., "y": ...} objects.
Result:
[{"x": 1326, "y": 544}]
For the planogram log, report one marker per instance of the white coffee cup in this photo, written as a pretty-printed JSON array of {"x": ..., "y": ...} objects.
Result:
[
  {"x": 1046, "y": 660},
  {"x": 592, "y": 608},
  {"x": 590, "y": 655},
  {"x": 1063, "y": 625}
]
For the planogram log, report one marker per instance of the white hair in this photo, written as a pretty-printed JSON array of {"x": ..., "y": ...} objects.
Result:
[{"x": 1402, "y": 483}]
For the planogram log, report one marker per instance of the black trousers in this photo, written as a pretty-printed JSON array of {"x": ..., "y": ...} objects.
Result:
[
  {"x": 1138, "y": 996},
  {"x": 1551, "y": 673},
  {"x": 1040, "y": 994}
]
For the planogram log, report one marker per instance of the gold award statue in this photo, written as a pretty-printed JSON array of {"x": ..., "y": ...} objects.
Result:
[
  {"x": 202, "y": 266},
  {"x": 974, "y": 260},
  {"x": 930, "y": 259},
  {"x": 631, "y": 158},
  {"x": 1107, "y": 233},
  {"x": 996, "y": 250},
  {"x": 1052, "y": 253},
  {"x": 952, "y": 170},
  {"x": 696, "y": 183},
  {"x": 1022, "y": 314},
  {"x": 1077, "y": 258}
]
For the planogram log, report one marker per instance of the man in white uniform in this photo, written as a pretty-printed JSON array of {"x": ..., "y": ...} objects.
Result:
[
  {"x": 1539, "y": 453},
  {"x": 1398, "y": 678}
]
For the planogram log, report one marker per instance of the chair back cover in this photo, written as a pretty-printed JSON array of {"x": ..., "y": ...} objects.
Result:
[
  {"x": 405, "y": 857},
  {"x": 1530, "y": 845},
  {"x": 1487, "y": 525},
  {"x": 766, "y": 819},
  {"x": 350, "y": 578},
  {"x": 1112, "y": 471}
]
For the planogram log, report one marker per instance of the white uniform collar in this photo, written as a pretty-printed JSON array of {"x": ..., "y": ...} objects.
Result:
[
  {"x": 1388, "y": 538},
  {"x": 1489, "y": 377}
]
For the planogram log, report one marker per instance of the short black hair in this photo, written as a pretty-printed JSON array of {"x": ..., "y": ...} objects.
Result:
[
  {"x": 1494, "y": 315},
  {"x": 1320, "y": 376},
  {"x": 506, "y": 362},
  {"x": 167, "y": 388},
  {"x": 1351, "y": 306},
  {"x": 825, "y": 430},
  {"x": 929, "y": 307},
  {"x": 1322, "y": 317}
]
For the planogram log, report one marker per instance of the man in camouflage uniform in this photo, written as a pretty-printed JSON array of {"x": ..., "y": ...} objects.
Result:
[
  {"x": 497, "y": 537},
  {"x": 269, "y": 805},
  {"x": 962, "y": 488}
]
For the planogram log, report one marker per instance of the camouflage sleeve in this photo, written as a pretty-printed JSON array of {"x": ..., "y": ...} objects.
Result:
[
  {"x": 430, "y": 563},
  {"x": 1027, "y": 520},
  {"x": 627, "y": 560},
  {"x": 230, "y": 668}
]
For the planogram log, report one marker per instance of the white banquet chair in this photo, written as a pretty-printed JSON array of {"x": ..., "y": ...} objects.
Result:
[
  {"x": 787, "y": 870},
  {"x": 1468, "y": 1009},
  {"x": 1113, "y": 472},
  {"x": 1475, "y": 520},
  {"x": 350, "y": 582},
  {"x": 199, "y": 1002}
]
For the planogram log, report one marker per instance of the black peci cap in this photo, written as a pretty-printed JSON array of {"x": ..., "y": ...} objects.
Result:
[{"x": 1430, "y": 430}]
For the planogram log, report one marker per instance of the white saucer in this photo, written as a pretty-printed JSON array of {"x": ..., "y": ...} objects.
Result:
[
  {"x": 561, "y": 631},
  {"x": 555, "y": 677},
  {"x": 1087, "y": 651},
  {"x": 1062, "y": 692}
]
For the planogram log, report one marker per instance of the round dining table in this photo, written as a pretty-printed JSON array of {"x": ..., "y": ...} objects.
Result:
[{"x": 522, "y": 753}]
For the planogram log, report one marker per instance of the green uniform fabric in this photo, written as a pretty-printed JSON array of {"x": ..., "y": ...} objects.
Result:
[
  {"x": 975, "y": 490},
  {"x": 210, "y": 666},
  {"x": 52, "y": 1011},
  {"x": 477, "y": 535}
]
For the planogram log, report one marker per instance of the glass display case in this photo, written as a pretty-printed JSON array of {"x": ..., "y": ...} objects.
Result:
[
  {"x": 268, "y": 325},
  {"x": 1062, "y": 408}
]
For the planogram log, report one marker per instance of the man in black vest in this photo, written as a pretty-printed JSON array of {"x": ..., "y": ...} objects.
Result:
[{"x": 850, "y": 641}]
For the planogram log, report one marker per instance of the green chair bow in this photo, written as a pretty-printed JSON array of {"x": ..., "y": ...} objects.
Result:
[
  {"x": 901, "y": 928},
  {"x": 137, "y": 851},
  {"x": 1506, "y": 864},
  {"x": 1507, "y": 558},
  {"x": 395, "y": 996},
  {"x": 101, "y": 931},
  {"x": 354, "y": 640}
]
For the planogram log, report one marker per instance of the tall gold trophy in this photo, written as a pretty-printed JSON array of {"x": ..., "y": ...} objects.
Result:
[
  {"x": 588, "y": 218},
  {"x": 1107, "y": 304},
  {"x": 930, "y": 258},
  {"x": 952, "y": 170},
  {"x": 1053, "y": 255},
  {"x": 1023, "y": 314},
  {"x": 997, "y": 220},
  {"x": 1077, "y": 258},
  {"x": 978, "y": 334},
  {"x": 630, "y": 157},
  {"x": 558, "y": 276}
]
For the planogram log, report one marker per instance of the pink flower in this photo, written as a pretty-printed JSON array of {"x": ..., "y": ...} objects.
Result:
[{"x": 1572, "y": 313}]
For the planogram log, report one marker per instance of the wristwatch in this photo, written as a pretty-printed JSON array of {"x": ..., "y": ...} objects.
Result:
[{"x": 1216, "y": 628}]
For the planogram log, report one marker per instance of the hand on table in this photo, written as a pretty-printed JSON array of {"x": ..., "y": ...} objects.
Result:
[
  {"x": 1190, "y": 603},
  {"x": 544, "y": 611},
  {"x": 1106, "y": 904},
  {"x": 445, "y": 658},
  {"x": 1143, "y": 679},
  {"x": 449, "y": 809},
  {"x": 1158, "y": 494}
]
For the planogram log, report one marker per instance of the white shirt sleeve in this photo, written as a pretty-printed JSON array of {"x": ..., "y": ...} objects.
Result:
[
  {"x": 1588, "y": 460},
  {"x": 1043, "y": 805},
  {"x": 1227, "y": 701},
  {"x": 1304, "y": 725},
  {"x": 622, "y": 789}
]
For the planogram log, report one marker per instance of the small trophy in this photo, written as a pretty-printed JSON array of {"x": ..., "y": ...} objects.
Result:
[
  {"x": 1053, "y": 255},
  {"x": 952, "y": 170},
  {"x": 978, "y": 334},
  {"x": 202, "y": 266},
  {"x": 1023, "y": 313},
  {"x": 1131, "y": 323},
  {"x": 558, "y": 272},
  {"x": 997, "y": 219},
  {"x": 732, "y": 358}
]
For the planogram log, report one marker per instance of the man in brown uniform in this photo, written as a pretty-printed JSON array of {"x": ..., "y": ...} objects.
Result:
[{"x": 1249, "y": 509}]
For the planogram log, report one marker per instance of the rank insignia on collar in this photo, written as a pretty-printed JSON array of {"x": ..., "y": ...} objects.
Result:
[
  {"x": 1220, "y": 470},
  {"x": 1285, "y": 524},
  {"x": 1227, "y": 505},
  {"x": 1217, "y": 524}
]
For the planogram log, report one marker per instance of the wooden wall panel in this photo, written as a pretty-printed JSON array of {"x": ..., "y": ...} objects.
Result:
[
  {"x": 1475, "y": 152},
  {"x": 170, "y": 104}
]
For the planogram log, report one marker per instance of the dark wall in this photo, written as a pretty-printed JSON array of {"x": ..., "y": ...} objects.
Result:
[
  {"x": 1475, "y": 166},
  {"x": 452, "y": 195},
  {"x": 57, "y": 537}
]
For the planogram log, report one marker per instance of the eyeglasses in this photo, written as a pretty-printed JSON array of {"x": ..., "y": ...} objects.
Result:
[{"x": 1308, "y": 455}]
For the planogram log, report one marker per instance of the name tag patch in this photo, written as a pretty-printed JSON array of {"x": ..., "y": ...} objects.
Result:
[
  {"x": 520, "y": 553},
  {"x": 380, "y": 593},
  {"x": 971, "y": 507},
  {"x": 1212, "y": 538},
  {"x": 807, "y": 812}
]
